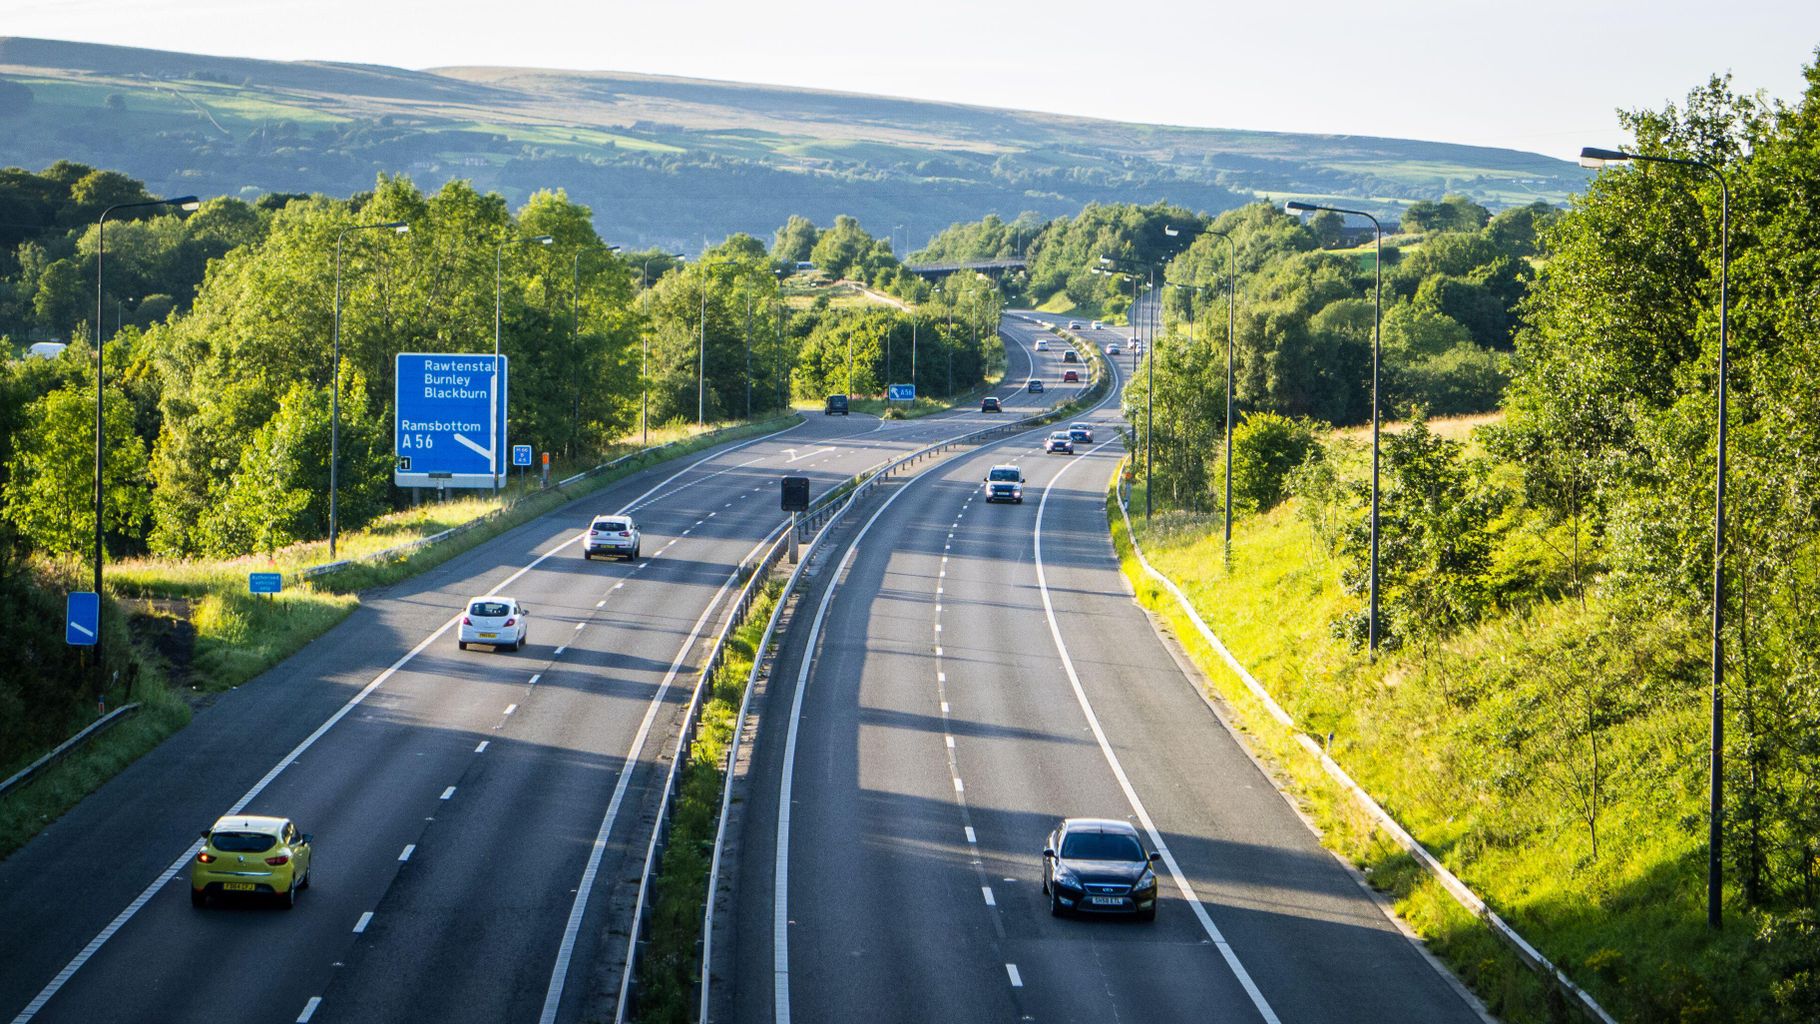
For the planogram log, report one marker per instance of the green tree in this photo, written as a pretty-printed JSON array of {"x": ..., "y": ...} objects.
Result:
[
  {"x": 49, "y": 489},
  {"x": 1266, "y": 448},
  {"x": 795, "y": 241}
]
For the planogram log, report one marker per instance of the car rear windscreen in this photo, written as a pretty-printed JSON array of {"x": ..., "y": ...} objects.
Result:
[
  {"x": 1101, "y": 846},
  {"x": 610, "y": 524},
  {"x": 242, "y": 842},
  {"x": 490, "y": 609}
]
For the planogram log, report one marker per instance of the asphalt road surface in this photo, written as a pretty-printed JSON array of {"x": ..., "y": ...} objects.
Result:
[
  {"x": 474, "y": 811},
  {"x": 980, "y": 672}
]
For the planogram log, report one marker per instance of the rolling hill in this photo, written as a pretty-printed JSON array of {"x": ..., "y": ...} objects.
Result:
[{"x": 675, "y": 161}]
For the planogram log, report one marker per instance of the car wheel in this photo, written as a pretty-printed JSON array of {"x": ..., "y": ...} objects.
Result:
[
  {"x": 1148, "y": 915},
  {"x": 522, "y": 637},
  {"x": 305, "y": 884},
  {"x": 199, "y": 898},
  {"x": 587, "y": 555},
  {"x": 289, "y": 899},
  {"x": 462, "y": 644},
  {"x": 1020, "y": 501}
]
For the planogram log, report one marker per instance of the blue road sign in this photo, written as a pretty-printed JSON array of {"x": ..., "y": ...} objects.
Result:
[
  {"x": 901, "y": 392},
  {"x": 521, "y": 455},
  {"x": 450, "y": 427},
  {"x": 264, "y": 582},
  {"x": 81, "y": 619}
]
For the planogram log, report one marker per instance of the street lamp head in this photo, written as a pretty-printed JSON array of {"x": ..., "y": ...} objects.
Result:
[
  {"x": 1171, "y": 232},
  {"x": 399, "y": 227},
  {"x": 188, "y": 204},
  {"x": 1297, "y": 206},
  {"x": 542, "y": 239},
  {"x": 1593, "y": 158},
  {"x": 612, "y": 248}
]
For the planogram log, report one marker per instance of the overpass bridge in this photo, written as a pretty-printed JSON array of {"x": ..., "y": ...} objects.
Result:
[{"x": 936, "y": 271}]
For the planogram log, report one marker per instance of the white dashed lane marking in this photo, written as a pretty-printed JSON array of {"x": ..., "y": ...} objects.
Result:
[
  {"x": 1017, "y": 980},
  {"x": 361, "y": 925},
  {"x": 309, "y": 1010},
  {"x": 406, "y": 854},
  {"x": 448, "y": 792},
  {"x": 482, "y": 746},
  {"x": 987, "y": 891}
]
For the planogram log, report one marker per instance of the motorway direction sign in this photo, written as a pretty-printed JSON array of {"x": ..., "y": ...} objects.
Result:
[
  {"x": 450, "y": 426},
  {"x": 901, "y": 393},
  {"x": 521, "y": 455},
  {"x": 81, "y": 618},
  {"x": 264, "y": 582}
]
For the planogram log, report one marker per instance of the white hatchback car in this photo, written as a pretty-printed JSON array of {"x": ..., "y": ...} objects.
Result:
[
  {"x": 1042, "y": 345},
  {"x": 611, "y": 535},
  {"x": 500, "y": 621}
]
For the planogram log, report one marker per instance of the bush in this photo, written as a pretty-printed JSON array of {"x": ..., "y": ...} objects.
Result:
[{"x": 1265, "y": 449}]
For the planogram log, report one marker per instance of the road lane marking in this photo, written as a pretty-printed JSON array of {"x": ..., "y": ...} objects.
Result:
[
  {"x": 511, "y": 708},
  {"x": 309, "y": 1010},
  {"x": 1118, "y": 770},
  {"x": 482, "y": 747},
  {"x": 559, "y": 973},
  {"x": 409, "y": 849},
  {"x": 950, "y": 740},
  {"x": 987, "y": 889},
  {"x": 958, "y": 788},
  {"x": 448, "y": 792},
  {"x": 88, "y": 952},
  {"x": 1017, "y": 980},
  {"x": 559, "y": 650},
  {"x": 971, "y": 838},
  {"x": 361, "y": 925},
  {"x": 602, "y": 603},
  {"x": 578, "y": 626},
  {"x": 535, "y": 678},
  {"x": 944, "y": 707}
]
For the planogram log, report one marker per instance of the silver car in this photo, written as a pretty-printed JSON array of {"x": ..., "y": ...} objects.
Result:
[{"x": 611, "y": 535}]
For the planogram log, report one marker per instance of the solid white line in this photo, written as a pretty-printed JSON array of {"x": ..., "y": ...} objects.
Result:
[
  {"x": 1017, "y": 980},
  {"x": 559, "y": 974},
  {"x": 309, "y": 1010},
  {"x": 448, "y": 792},
  {"x": 1124, "y": 781},
  {"x": 780, "y": 885},
  {"x": 361, "y": 925},
  {"x": 987, "y": 889},
  {"x": 409, "y": 849},
  {"x": 482, "y": 747},
  {"x": 971, "y": 838},
  {"x": 69, "y": 970}
]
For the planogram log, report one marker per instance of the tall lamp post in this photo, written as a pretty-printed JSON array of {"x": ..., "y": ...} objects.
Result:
[
  {"x": 1232, "y": 279},
  {"x": 1377, "y": 322},
  {"x": 644, "y": 364},
  {"x": 1594, "y": 158},
  {"x": 783, "y": 377},
  {"x": 188, "y": 204},
  {"x": 335, "y": 378},
  {"x": 1149, "y": 374},
  {"x": 499, "y": 254}
]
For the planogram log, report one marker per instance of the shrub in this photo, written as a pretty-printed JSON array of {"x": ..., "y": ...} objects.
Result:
[{"x": 1265, "y": 448}]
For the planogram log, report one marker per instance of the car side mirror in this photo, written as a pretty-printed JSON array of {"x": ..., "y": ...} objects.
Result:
[
  {"x": 205, "y": 835},
  {"x": 1156, "y": 858},
  {"x": 1048, "y": 853},
  {"x": 1021, "y": 478},
  {"x": 308, "y": 839}
]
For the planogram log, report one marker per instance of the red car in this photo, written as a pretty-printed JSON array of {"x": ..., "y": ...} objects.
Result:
[{"x": 1070, "y": 377}]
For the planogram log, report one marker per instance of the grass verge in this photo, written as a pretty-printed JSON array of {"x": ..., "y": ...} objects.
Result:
[
  {"x": 681, "y": 883},
  {"x": 198, "y": 632},
  {"x": 1506, "y": 985}
]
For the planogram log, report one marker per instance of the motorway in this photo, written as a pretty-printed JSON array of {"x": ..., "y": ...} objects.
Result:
[
  {"x": 479, "y": 816},
  {"x": 978, "y": 672}
]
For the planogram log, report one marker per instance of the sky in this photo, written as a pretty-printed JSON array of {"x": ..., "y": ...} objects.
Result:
[{"x": 1540, "y": 75}]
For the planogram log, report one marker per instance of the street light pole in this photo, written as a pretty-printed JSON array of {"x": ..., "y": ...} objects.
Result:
[
  {"x": 1595, "y": 158},
  {"x": 187, "y": 204},
  {"x": 1377, "y": 322},
  {"x": 335, "y": 379},
  {"x": 499, "y": 253}
]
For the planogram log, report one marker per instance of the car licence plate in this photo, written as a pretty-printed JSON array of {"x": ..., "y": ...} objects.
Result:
[
  {"x": 239, "y": 886},
  {"x": 488, "y": 636},
  {"x": 1105, "y": 901}
]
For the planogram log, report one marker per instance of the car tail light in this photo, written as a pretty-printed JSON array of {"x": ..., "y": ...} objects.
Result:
[
  {"x": 625, "y": 533},
  {"x": 283, "y": 858},
  {"x": 466, "y": 621},
  {"x": 593, "y": 533},
  {"x": 205, "y": 857},
  {"x": 511, "y": 621}
]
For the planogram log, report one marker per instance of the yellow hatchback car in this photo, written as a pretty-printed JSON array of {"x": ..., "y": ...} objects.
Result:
[{"x": 247, "y": 854}]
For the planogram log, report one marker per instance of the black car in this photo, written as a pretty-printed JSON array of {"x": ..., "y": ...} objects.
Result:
[
  {"x": 990, "y": 404},
  {"x": 837, "y": 406},
  {"x": 1099, "y": 866},
  {"x": 1071, "y": 356}
]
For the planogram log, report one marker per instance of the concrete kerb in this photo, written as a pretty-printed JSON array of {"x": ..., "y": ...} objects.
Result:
[{"x": 1459, "y": 890}]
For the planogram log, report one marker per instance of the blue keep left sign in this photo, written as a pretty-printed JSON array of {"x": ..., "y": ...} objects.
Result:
[{"x": 81, "y": 619}]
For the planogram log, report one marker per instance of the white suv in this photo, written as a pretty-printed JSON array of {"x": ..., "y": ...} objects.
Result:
[
  {"x": 615, "y": 535},
  {"x": 500, "y": 621}
]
